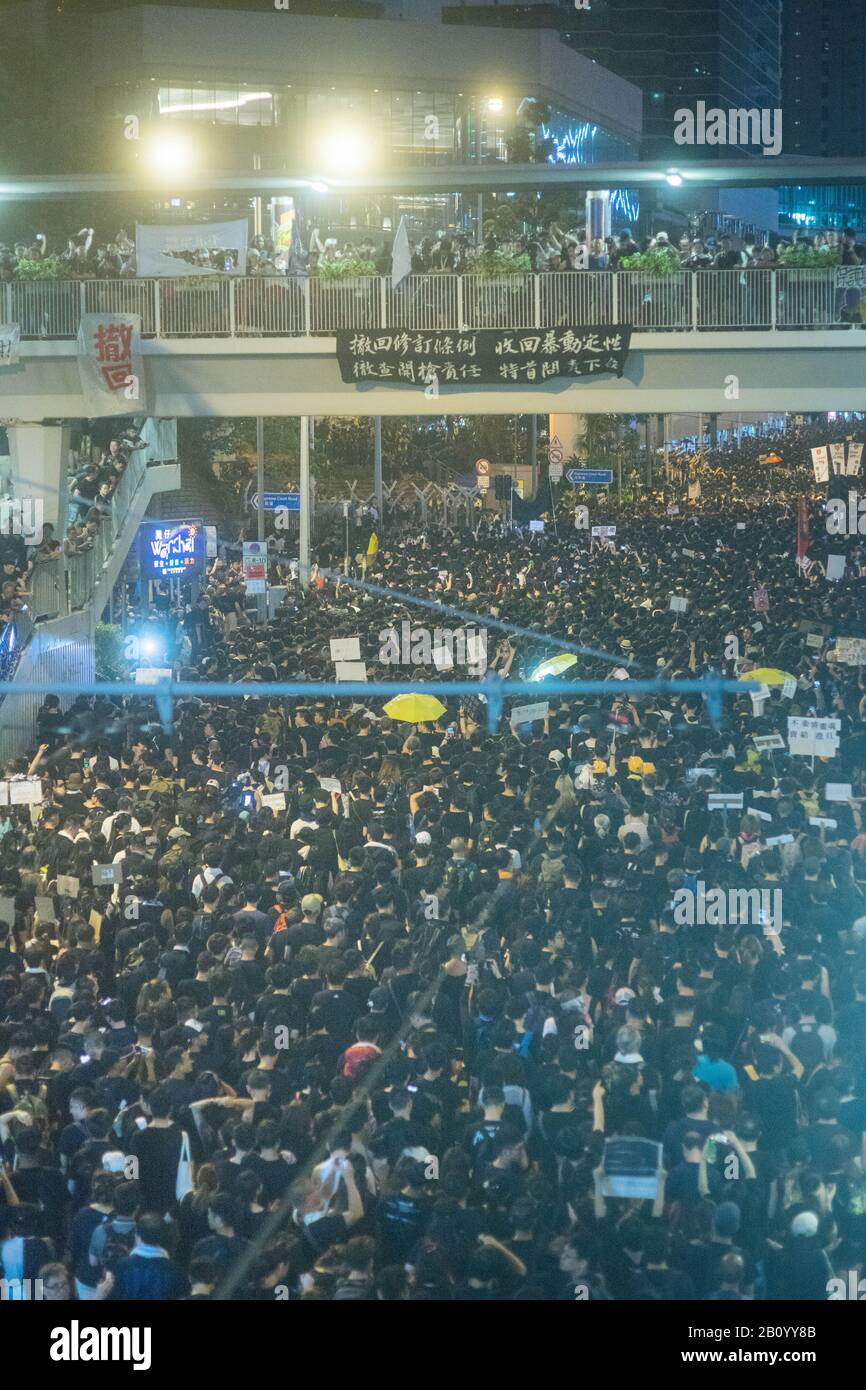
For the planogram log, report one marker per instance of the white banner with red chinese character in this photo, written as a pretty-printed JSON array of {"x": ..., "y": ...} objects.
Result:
[{"x": 110, "y": 364}]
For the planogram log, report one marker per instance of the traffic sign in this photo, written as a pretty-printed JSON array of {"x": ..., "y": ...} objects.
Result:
[
  {"x": 482, "y": 466},
  {"x": 484, "y": 482},
  {"x": 554, "y": 450},
  {"x": 554, "y": 471},
  {"x": 590, "y": 476},
  {"x": 276, "y": 501}
]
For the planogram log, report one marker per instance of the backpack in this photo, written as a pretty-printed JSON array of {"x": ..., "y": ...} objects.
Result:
[
  {"x": 31, "y": 1103},
  {"x": 118, "y": 1246},
  {"x": 552, "y": 873}
]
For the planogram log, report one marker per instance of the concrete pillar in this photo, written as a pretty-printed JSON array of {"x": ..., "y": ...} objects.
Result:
[
  {"x": 38, "y": 465},
  {"x": 569, "y": 430},
  {"x": 304, "y": 519},
  {"x": 377, "y": 469}
]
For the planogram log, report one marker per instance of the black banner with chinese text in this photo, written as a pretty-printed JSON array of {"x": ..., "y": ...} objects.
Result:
[{"x": 486, "y": 357}]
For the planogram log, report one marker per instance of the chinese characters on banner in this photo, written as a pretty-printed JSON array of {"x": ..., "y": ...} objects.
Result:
[
  {"x": 821, "y": 464},
  {"x": 811, "y": 737},
  {"x": 255, "y": 566},
  {"x": 10, "y": 344},
  {"x": 487, "y": 357},
  {"x": 110, "y": 365},
  {"x": 761, "y": 599}
]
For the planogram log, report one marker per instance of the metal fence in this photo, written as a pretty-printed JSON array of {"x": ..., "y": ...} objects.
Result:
[{"x": 276, "y": 306}]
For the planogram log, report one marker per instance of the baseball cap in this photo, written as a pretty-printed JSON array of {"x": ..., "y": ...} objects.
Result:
[
  {"x": 312, "y": 902},
  {"x": 423, "y": 838},
  {"x": 806, "y": 1224}
]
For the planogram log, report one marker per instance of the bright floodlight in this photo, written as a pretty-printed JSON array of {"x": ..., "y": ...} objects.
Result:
[
  {"x": 169, "y": 154},
  {"x": 345, "y": 149},
  {"x": 318, "y": 187},
  {"x": 494, "y": 103},
  {"x": 674, "y": 179}
]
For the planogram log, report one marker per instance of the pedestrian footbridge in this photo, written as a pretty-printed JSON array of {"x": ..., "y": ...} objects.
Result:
[{"x": 712, "y": 341}]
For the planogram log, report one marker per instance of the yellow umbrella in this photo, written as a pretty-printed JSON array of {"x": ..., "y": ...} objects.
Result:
[
  {"x": 414, "y": 709},
  {"x": 553, "y": 666},
  {"x": 769, "y": 675}
]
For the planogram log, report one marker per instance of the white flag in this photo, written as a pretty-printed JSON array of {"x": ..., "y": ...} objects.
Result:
[
  {"x": 10, "y": 344},
  {"x": 821, "y": 464},
  {"x": 401, "y": 255},
  {"x": 110, "y": 364}
]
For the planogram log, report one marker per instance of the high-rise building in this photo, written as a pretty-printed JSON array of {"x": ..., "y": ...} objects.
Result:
[{"x": 823, "y": 91}]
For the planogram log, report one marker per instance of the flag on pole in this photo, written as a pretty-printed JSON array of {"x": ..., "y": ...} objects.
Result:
[
  {"x": 373, "y": 545},
  {"x": 401, "y": 255}
]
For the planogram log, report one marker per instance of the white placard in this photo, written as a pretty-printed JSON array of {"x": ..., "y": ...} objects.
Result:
[
  {"x": 476, "y": 649},
  {"x": 825, "y": 822},
  {"x": 68, "y": 885},
  {"x": 525, "y": 714},
  {"x": 103, "y": 875},
  {"x": 536, "y": 525},
  {"x": 26, "y": 792},
  {"x": 678, "y": 604},
  {"x": 851, "y": 651},
  {"x": 741, "y": 526},
  {"x": 768, "y": 741},
  {"x": 779, "y": 840},
  {"x": 45, "y": 909},
  {"x": 345, "y": 649},
  {"x": 837, "y": 791},
  {"x": 789, "y": 688},
  {"x": 673, "y": 511},
  {"x": 809, "y": 736},
  {"x": 835, "y": 566},
  {"x": 4, "y": 793},
  {"x": 211, "y": 542},
  {"x": 837, "y": 457},
  {"x": 689, "y": 553},
  {"x": 350, "y": 671},
  {"x": 175, "y": 249},
  {"x": 276, "y": 801},
  {"x": 855, "y": 452},
  {"x": 762, "y": 815},
  {"x": 815, "y": 641},
  {"x": 762, "y": 693},
  {"x": 330, "y": 784},
  {"x": 724, "y": 801},
  {"x": 757, "y": 627}
]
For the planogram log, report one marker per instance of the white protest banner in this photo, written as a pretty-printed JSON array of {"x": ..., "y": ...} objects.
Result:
[
  {"x": 821, "y": 464},
  {"x": 741, "y": 526},
  {"x": 762, "y": 815},
  {"x": 603, "y": 533},
  {"x": 694, "y": 492},
  {"x": 789, "y": 688},
  {"x": 45, "y": 909},
  {"x": 330, "y": 784},
  {"x": 630, "y": 1168},
  {"x": 835, "y": 566},
  {"x": 345, "y": 649},
  {"x": 25, "y": 792},
  {"x": 768, "y": 741},
  {"x": 68, "y": 885},
  {"x": 673, "y": 511},
  {"x": 724, "y": 801},
  {"x": 825, "y": 822},
  {"x": 761, "y": 694},
  {"x": 809, "y": 736},
  {"x": 837, "y": 457},
  {"x": 4, "y": 793},
  {"x": 110, "y": 365},
  {"x": 536, "y": 525},
  {"x": 837, "y": 791},
  {"x": 855, "y": 453},
  {"x": 276, "y": 801},
  {"x": 525, "y": 714},
  {"x": 815, "y": 641},
  {"x": 350, "y": 671},
  {"x": 678, "y": 604},
  {"x": 211, "y": 544},
  {"x": 10, "y": 344},
  {"x": 779, "y": 840},
  {"x": 190, "y": 248}
]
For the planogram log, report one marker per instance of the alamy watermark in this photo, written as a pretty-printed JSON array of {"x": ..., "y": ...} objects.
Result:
[
  {"x": 22, "y": 516},
  {"x": 737, "y": 126},
  {"x": 443, "y": 647},
  {"x": 722, "y": 907}
]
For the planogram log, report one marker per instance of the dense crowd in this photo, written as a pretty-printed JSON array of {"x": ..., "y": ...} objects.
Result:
[
  {"x": 360, "y": 1003},
  {"x": 547, "y": 249}
]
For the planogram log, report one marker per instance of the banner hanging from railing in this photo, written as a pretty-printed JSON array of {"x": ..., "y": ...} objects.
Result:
[
  {"x": 110, "y": 364},
  {"x": 204, "y": 248},
  {"x": 485, "y": 357},
  {"x": 10, "y": 344}
]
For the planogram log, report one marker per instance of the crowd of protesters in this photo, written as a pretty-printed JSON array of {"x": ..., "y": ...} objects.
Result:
[
  {"x": 549, "y": 249},
  {"x": 354, "y": 1005}
]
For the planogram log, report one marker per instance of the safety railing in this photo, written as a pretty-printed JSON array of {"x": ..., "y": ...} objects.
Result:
[{"x": 283, "y": 307}]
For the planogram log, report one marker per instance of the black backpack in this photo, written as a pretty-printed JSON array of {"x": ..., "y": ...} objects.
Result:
[{"x": 118, "y": 1246}]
